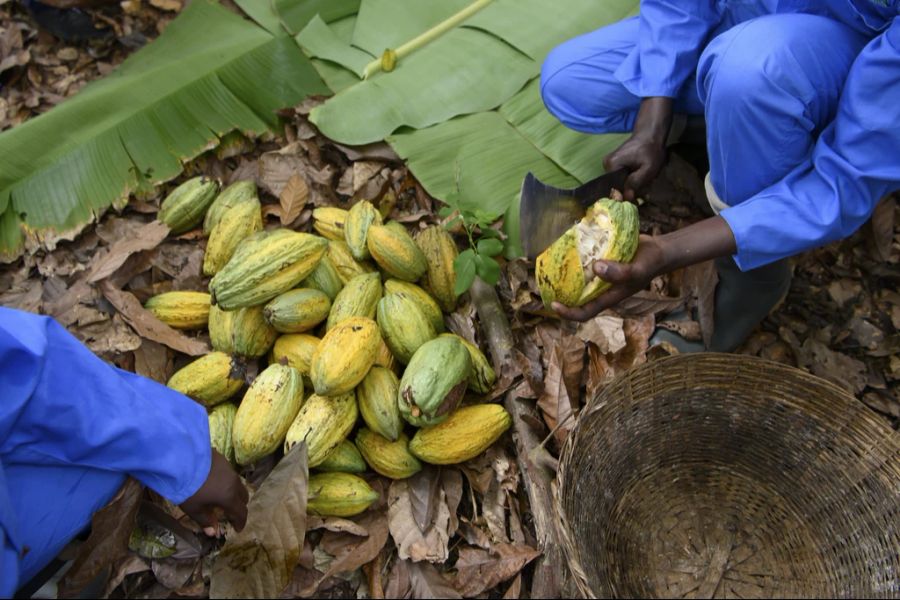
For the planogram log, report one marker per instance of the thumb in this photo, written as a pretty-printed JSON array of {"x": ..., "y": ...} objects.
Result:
[{"x": 613, "y": 272}]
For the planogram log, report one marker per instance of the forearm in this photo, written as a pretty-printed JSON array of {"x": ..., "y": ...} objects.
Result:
[
  {"x": 654, "y": 119},
  {"x": 705, "y": 240}
]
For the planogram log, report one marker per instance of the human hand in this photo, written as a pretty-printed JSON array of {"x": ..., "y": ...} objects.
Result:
[
  {"x": 642, "y": 157},
  {"x": 223, "y": 492},
  {"x": 626, "y": 279}
]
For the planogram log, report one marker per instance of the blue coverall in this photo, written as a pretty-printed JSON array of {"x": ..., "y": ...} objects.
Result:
[
  {"x": 801, "y": 100},
  {"x": 72, "y": 428}
]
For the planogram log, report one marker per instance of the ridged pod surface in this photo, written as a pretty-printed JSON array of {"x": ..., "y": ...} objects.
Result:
[
  {"x": 377, "y": 397},
  {"x": 346, "y": 266},
  {"x": 608, "y": 231},
  {"x": 266, "y": 413},
  {"x": 220, "y": 329},
  {"x": 396, "y": 252},
  {"x": 221, "y": 421},
  {"x": 482, "y": 377},
  {"x": 391, "y": 459},
  {"x": 237, "y": 224},
  {"x": 251, "y": 335},
  {"x": 184, "y": 208},
  {"x": 403, "y": 325},
  {"x": 338, "y": 495},
  {"x": 295, "y": 350},
  {"x": 344, "y": 356},
  {"x": 180, "y": 310},
  {"x": 210, "y": 379},
  {"x": 384, "y": 358},
  {"x": 265, "y": 265},
  {"x": 323, "y": 423},
  {"x": 360, "y": 216},
  {"x": 359, "y": 298},
  {"x": 440, "y": 277},
  {"x": 329, "y": 221},
  {"x": 236, "y": 193},
  {"x": 466, "y": 433},
  {"x": 296, "y": 311},
  {"x": 434, "y": 382},
  {"x": 423, "y": 299},
  {"x": 343, "y": 459},
  {"x": 324, "y": 278}
]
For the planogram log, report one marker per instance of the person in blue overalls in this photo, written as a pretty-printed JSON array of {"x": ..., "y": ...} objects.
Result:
[
  {"x": 802, "y": 107},
  {"x": 72, "y": 428}
]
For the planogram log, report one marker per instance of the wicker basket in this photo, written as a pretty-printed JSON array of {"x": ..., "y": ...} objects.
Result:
[{"x": 719, "y": 475}]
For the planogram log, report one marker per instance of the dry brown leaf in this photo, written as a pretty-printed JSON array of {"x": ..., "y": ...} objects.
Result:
[
  {"x": 515, "y": 588},
  {"x": 259, "y": 561},
  {"x": 427, "y": 582},
  {"x": 108, "y": 543},
  {"x": 700, "y": 282},
  {"x": 413, "y": 543},
  {"x": 145, "y": 238},
  {"x": 109, "y": 336},
  {"x": 648, "y": 302},
  {"x": 882, "y": 225},
  {"x": 836, "y": 367},
  {"x": 276, "y": 168},
  {"x": 605, "y": 331},
  {"x": 351, "y": 552},
  {"x": 689, "y": 330},
  {"x": 398, "y": 582},
  {"x": 479, "y": 570},
  {"x": 554, "y": 402},
  {"x": 174, "y": 574},
  {"x": 335, "y": 524},
  {"x": 152, "y": 360},
  {"x": 293, "y": 199},
  {"x": 425, "y": 494}
]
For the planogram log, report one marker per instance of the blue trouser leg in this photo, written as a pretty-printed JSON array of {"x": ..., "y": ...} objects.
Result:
[
  {"x": 579, "y": 86},
  {"x": 53, "y": 504}
]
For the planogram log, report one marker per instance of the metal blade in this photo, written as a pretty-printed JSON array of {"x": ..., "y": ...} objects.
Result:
[{"x": 546, "y": 212}]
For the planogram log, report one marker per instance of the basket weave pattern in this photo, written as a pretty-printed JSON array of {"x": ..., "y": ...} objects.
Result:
[{"x": 730, "y": 476}]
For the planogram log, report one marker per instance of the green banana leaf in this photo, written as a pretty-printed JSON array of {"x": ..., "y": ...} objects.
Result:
[{"x": 209, "y": 73}]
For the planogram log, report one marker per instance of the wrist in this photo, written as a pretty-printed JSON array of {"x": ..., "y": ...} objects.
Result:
[{"x": 654, "y": 120}]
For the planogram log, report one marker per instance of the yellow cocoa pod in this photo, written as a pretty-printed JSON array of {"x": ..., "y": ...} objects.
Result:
[
  {"x": 323, "y": 423},
  {"x": 396, "y": 252},
  {"x": 266, "y": 413},
  {"x": 403, "y": 326},
  {"x": 184, "y": 208},
  {"x": 210, "y": 379},
  {"x": 220, "y": 329},
  {"x": 346, "y": 266},
  {"x": 359, "y": 298},
  {"x": 251, "y": 334},
  {"x": 296, "y": 311},
  {"x": 236, "y": 224},
  {"x": 391, "y": 459},
  {"x": 338, "y": 495},
  {"x": 377, "y": 397},
  {"x": 440, "y": 277},
  {"x": 360, "y": 216},
  {"x": 221, "y": 421},
  {"x": 324, "y": 278},
  {"x": 482, "y": 377},
  {"x": 295, "y": 350},
  {"x": 343, "y": 459},
  {"x": 467, "y": 432},
  {"x": 384, "y": 358},
  {"x": 430, "y": 307},
  {"x": 236, "y": 193},
  {"x": 265, "y": 265},
  {"x": 344, "y": 356},
  {"x": 329, "y": 221},
  {"x": 180, "y": 310}
]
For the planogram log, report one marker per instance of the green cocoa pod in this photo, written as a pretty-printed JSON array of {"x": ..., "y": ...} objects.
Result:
[
  {"x": 359, "y": 298},
  {"x": 323, "y": 423},
  {"x": 396, "y": 252},
  {"x": 346, "y": 266},
  {"x": 296, "y": 311},
  {"x": 482, "y": 378},
  {"x": 324, "y": 278},
  {"x": 343, "y": 459},
  {"x": 391, "y": 459},
  {"x": 338, "y": 495},
  {"x": 221, "y": 421},
  {"x": 429, "y": 306},
  {"x": 377, "y": 397},
  {"x": 237, "y": 193},
  {"x": 360, "y": 216},
  {"x": 403, "y": 325},
  {"x": 440, "y": 277},
  {"x": 266, "y": 413},
  {"x": 329, "y": 221},
  {"x": 251, "y": 335},
  {"x": 184, "y": 208},
  {"x": 237, "y": 224},
  {"x": 434, "y": 382}
]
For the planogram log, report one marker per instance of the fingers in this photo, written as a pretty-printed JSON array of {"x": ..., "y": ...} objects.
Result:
[{"x": 236, "y": 508}]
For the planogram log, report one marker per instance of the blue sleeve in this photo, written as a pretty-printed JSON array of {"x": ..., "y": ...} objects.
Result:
[
  {"x": 62, "y": 405},
  {"x": 853, "y": 164},
  {"x": 10, "y": 547},
  {"x": 670, "y": 39}
]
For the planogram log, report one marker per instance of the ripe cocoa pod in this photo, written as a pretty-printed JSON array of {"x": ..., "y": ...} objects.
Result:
[
  {"x": 360, "y": 216},
  {"x": 323, "y": 423},
  {"x": 344, "y": 356},
  {"x": 221, "y": 420},
  {"x": 237, "y": 224},
  {"x": 338, "y": 495},
  {"x": 346, "y": 266},
  {"x": 396, "y": 252},
  {"x": 440, "y": 277},
  {"x": 184, "y": 208},
  {"x": 329, "y": 221},
  {"x": 180, "y": 310},
  {"x": 428, "y": 305},
  {"x": 210, "y": 379},
  {"x": 403, "y": 326},
  {"x": 220, "y": 329},
  {"x": 296, "y": 311},
  {"x": 359, "y": 298},
  {"x": 466, "y": 433},
  {"x": 295, "y": 350},
  {"x": 343, "y": 459},
  {"x": 324, "y": 278},
  {"x": 377, "y": 397},
  {"x": 238, "y": 192},
  {"x": 251, "y": 335},
  {"x": 266, "y": 413},
  {"x": 391, "y": 459},
  {"x": 265, "y": 265},
  {"x": 564, "y": 271},
  {"x": 482, "y": 377},
  {"x": 434, "y": 381}
]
